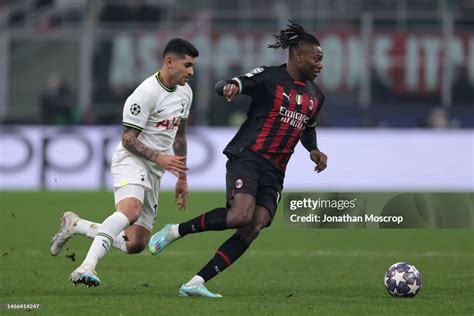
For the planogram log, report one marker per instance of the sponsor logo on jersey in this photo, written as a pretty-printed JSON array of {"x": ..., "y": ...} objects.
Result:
[
  {"x": 294, "y": 118},
  {"x": 169, "y": 124}
]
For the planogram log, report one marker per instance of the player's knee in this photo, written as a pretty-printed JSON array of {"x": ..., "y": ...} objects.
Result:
[
  {"x": 132, "y": 210},
  {"x": 257, "y": 228},
  {"x": 260, "y": 221},
  {"x": 133, "y": 215},
  {"x": 241, "y": 211},
  {"x": 240, "y": 217},
  {"x": 250, "y": 233},
  {"x": 135, "y": 246},
  {"x": 245, "y": 219}
]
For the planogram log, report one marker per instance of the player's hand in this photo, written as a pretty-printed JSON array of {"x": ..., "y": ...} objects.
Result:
[
  {"x": 320, "y": 159},
  {"x": 181, "y": 193},
  {"x": 230, "y": 90},
  {"x": 174, "y": 164}
]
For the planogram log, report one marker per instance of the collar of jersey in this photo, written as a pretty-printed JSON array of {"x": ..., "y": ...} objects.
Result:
[
  {"x": 157, "y": 76},
  {"x": 300, "y": 83}
]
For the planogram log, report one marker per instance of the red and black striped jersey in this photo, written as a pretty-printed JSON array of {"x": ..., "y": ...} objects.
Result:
[{"x": 280, "y": 110}]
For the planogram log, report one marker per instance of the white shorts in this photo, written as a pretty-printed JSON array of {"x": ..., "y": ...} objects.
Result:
[{"x": 132, "y": 178}]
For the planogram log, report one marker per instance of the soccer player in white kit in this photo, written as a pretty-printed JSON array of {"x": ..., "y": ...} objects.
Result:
[{"x": 154, "y": 121}]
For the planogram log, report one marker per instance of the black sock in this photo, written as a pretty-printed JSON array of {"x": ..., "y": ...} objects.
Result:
[
  {"x": 227, "y": 254},
  {"x": 212, "y": 220}
]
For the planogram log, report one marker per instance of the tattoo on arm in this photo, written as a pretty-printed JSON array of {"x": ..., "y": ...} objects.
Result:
[
  {"x": 132, "y": 144},
  {"x": 180, "y": 143}
]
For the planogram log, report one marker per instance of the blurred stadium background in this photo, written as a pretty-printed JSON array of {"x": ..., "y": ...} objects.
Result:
[
  {"x": 398, "y": 78},
  {"x": 399, "y": 116},
  {"x": 388, "y": 63}
]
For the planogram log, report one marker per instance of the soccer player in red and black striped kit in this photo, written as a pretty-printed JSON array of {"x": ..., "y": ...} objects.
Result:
[{"x": 285, "y": 105}]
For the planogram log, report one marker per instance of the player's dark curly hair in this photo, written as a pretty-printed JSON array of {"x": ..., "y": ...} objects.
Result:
[
  {"x": 180, "y": 47},
  {"x": 292, "y": 36}
]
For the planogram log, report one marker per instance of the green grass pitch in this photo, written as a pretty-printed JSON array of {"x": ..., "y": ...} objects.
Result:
[{"x": 286, "y": 271}]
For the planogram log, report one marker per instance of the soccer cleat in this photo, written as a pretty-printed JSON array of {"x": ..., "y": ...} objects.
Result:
[
  {"x": 196, "y": 290},
  {"x": 88, "y": 277},
  {"x": 160, "y": 240},
  {"x": 68, "y": 220}
]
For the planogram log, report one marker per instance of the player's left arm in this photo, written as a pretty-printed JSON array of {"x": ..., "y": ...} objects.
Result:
[
  {"x": 309, "y": 141},
  {"x": 180, "y": 149}
]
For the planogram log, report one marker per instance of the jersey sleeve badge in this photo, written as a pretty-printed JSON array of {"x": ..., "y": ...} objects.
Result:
[
  {"x": 253, "y": 72},
  {"x": 135, "y": 109}
]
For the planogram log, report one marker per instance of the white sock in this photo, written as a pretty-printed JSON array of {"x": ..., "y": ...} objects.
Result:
[
  {"x": 108, "y": 231},
  {"x": 90, "y": 229},
  {"x": 120, "y": 242},
  {"x": 85, "y": 227},
  {"x": 175, "y": 231},
  {"x": 196, "y": 280}
]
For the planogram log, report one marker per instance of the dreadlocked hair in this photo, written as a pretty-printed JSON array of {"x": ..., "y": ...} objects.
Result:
[{"x": 292, "y": 36}]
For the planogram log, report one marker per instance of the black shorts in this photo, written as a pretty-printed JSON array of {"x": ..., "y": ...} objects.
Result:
[{"x": 252, "y": 174}]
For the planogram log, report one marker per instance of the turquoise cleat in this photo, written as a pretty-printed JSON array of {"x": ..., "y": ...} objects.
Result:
[
  {"x": 160, "y": 240},
  {"x": 85, "y": 276},
  {"x": 196, "y": 290}
]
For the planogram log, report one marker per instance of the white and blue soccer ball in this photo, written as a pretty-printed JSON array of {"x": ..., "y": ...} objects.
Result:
[{"x": 402, "y": 280}]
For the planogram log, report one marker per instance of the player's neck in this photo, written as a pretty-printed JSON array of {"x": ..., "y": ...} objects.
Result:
[
  {"x": 294, "y": 73},
  {"x": 165, "y": 79}
]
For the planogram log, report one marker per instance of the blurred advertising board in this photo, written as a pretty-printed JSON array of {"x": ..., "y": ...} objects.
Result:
[{"x": 78, "y": 158}]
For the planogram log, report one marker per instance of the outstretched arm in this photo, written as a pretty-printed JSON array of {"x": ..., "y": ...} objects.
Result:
[
  {"x": 180, "y": 149},
  {"x": 308, "y": 139},
  {"x": 226, "y": 88},
  {"x": 248, "y": 84},
  {"x": 130, "y": 141}
]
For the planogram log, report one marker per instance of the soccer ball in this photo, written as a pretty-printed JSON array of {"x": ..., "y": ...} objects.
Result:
[{"x": 402, "y": 280}]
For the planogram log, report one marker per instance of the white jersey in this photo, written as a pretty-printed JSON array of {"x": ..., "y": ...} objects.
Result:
[{"x": 156, "y": 111}]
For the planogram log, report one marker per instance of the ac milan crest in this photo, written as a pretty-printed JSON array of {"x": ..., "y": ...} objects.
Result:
[{"x": 239, "y": 183}]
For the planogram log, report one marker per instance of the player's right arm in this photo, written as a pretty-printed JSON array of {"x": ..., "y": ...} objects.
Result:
[
  {"x": 246, "y": 84},
  {"x": 130, "y": 141}
]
